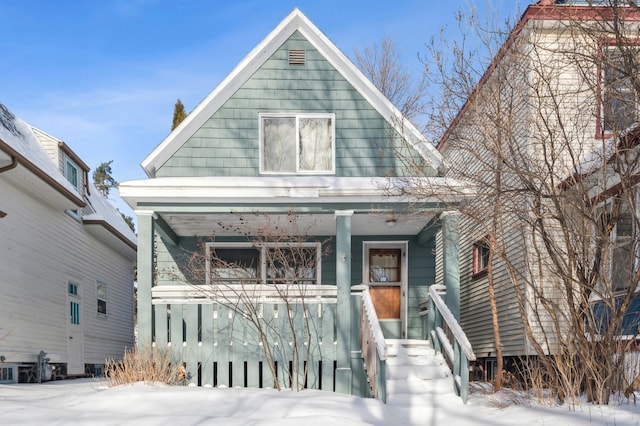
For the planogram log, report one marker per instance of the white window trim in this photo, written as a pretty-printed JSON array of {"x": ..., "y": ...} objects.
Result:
[
  {"x": 209, "y": 247},
  {"x": 297, "y": 116},
  {"x": 68, "y": 162}
]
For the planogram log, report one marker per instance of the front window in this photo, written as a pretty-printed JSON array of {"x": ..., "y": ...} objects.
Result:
[
  {"x": 101, "y": 296},
  {"x": 619, "y": 89},
  {"x": 264, "y": 263},
  {"x": 297, "y": 143},
  {"x": 235, "y": 264},
  {"x": 481, "y": 257},
  {"x": 291, "y": 265}
]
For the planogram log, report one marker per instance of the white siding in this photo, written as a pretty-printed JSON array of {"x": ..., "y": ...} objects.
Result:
[
  {"x": 540, "y": 76},
  {"x": 41, "y": 249}
]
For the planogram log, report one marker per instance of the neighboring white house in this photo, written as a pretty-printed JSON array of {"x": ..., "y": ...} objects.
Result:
[
  {"x": 545, "y": 103},
  {"x": 66, "y": 260}
]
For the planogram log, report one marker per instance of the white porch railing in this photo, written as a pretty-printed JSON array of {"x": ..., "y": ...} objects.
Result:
[
  {"x": 257, "y": 293},
  {"x": 447, "y": 337},
  {"x": 374, "y": 348}
]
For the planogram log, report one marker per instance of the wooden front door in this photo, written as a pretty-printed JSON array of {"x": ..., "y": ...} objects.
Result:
[{"x": 386, "y": 276}]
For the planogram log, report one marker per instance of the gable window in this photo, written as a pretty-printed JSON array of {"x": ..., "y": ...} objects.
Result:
[
  {"x": 297, "y": 143},
  {"x": 267, "y": 263},
  {"x": 481, "y": 256},
  {"x": 101, "y": 296},
  {"x": 71, "y": 173},
  {"x": 620, "y": 98}
]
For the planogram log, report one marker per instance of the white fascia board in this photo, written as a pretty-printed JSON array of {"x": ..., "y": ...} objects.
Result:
[
  {"x": 260, "y": 190},
  {"x": 296, "y": 20}
]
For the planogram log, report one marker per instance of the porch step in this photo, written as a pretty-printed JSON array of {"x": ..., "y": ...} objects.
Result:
[{"x": 416, "y": 378}]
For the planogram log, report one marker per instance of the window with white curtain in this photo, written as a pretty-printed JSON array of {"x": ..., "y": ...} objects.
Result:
[{"x": 297, "y": 143}]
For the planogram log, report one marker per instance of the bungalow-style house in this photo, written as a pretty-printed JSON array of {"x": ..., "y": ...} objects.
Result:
[
  {"x": 558, "y": 90},
  {"x": 294, "y": 143},
  {"x": 66, "y": 257}
]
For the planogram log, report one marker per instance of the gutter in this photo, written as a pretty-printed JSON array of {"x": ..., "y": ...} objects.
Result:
[
  {"x": 18, "y": 158},
  {"x": 106, "y": 225}
]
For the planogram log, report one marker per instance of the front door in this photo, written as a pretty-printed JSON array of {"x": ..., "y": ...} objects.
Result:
[{"x": 385, "y": 273}]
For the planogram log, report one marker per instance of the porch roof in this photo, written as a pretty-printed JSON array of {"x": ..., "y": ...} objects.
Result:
[{"x": 383, "y": 206}]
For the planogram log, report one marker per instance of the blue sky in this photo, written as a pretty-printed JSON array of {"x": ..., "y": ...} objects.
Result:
[{"x": 104, "y": 75}]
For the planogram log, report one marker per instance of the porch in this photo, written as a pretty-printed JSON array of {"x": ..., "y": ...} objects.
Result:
[{"x": 211, "y": 326}]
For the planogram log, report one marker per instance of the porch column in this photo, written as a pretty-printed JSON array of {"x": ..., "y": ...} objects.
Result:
[
  {"x": 145, "y": 276},
  {"x": 343, "y": 309},
  {"x": 451, "y": 260}
]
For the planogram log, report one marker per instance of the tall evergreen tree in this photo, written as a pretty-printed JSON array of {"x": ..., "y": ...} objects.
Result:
[
  {"x": 128, "y": 220},
  {"x": 179, "y": 114},
  {"x": 102, "y": 178}
]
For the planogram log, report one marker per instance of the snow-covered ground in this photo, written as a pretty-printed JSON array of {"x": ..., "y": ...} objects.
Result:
[
  {"x": 91, "y": 402},
  {"x": 419, "y": 386}
]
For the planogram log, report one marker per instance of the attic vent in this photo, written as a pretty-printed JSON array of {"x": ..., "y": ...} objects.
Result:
[{"x": 296, "y": 57}]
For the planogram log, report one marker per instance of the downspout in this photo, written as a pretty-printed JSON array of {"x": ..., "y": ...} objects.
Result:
[{"x": 13, "y": 165}]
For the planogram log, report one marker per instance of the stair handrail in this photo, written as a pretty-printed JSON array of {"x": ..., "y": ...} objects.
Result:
[
  {"x": 374, "y": 348},
  {"x": 459, "y": 353},
  {"x": 453, "y": 325}
]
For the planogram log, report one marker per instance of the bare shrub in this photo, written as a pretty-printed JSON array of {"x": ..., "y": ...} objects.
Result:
[{"x": 149, "y": 365}]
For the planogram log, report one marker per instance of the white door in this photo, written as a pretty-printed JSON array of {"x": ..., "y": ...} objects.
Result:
[{"x": 75, "y": 333}]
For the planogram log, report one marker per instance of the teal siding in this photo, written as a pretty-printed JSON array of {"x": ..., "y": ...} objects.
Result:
[
  {"x": 228, "y": 143},
  {"x": 171, "y": 261}
]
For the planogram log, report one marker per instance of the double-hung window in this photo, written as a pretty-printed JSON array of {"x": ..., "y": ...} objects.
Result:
[
  {"x": 297, "y": 143},
  {"x": 619, "y": 83},
  {"x": 265, "y": 263},
  {"x": 101, "y": 297}
]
